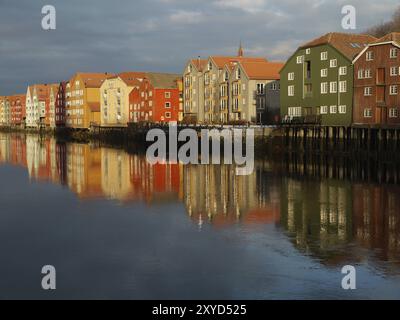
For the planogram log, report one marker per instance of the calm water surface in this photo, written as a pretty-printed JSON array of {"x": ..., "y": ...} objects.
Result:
[{"x": 116, "y": 227}]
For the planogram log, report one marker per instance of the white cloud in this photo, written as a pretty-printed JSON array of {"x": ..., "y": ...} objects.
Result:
[
  {"x": 252, "y": 6},
  {"x": 186, "y": 17}
]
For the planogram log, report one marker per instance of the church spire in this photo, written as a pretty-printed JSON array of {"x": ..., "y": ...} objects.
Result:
[{"x": 240, "y": 52}]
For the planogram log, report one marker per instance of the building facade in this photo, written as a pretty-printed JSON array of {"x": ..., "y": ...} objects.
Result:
[
  {"x": 60, "y": 105},
  {"x": 157, "y": 99},
  {"x": 83, "y": 99},
  {"x": 213, "y": 93},
  {"x": 4, "y": 111},
  {"x": 377, "y": 83},
  {"x": 317, "y": 80},
  {"x": 193, "y": 91},
  {"x": 37, "y": 105},
  {"x": 115, "y": 98},
  {"x": 17, "y": 109}
]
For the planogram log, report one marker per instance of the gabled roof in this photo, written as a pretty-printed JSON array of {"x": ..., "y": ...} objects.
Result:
[
  {"x": 163, "y": 80},
  {"x": 42, "y": 91},
  {"x": 348, "y": 44},
  {"x": 132, "y": 79},
  {"x": 94, "y": 80},
  {"x": 199, "y": 64},
  {"x": 221, "y": 61},
  {"x": 391, "y": 37},
  {"x": 262, "y": 70}
]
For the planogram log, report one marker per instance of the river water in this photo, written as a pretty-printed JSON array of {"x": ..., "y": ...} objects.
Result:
[{"x": 115, "y": 226}]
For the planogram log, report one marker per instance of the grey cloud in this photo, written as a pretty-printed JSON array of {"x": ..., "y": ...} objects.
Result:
[{"x": 158, "y": 35}]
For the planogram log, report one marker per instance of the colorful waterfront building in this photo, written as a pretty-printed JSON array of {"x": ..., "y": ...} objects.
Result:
[
  {"x": 18, "y": 110},
  {"x": 317, "y": 80},
  {"x": 83, "y": 99},
  {"x": 157, "y": 99},
  {"x": 193, "y": 90},
  {"x": 51, "y": 119},
  {"x": 3, "y": 105},
  {"x": 60, "y": 104},
  {"x": 37, "y": 105},
  {"x": 377, "y": 83},
  {"x": 114, "y": 102},
  {"x": 216, "y": 93}
]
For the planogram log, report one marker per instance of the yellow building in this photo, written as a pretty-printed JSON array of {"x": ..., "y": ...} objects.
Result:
[
  {"x": 83, "y": 99},
  {"x": 114, "y": 102}
]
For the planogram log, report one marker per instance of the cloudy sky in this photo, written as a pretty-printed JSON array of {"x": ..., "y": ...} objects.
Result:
[{"x": 159, "y": 35}]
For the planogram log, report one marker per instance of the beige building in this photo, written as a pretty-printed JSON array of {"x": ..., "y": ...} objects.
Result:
[
  {"x": 114, "y": 102},
  {"x": 223, "y": 89},
  {"x": 193, "y": 90},
  {"x": 4, "y": 111}
]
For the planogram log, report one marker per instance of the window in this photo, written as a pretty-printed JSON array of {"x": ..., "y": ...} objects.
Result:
[
  {"x": 274, "y": 86},
  {"x": 394, "y": 71},
  {"x": 342, "y": 109},
  {"x": 343, "y": 71},
  {"x": 324, "y": 87},
  {"x": 333, "y": 87},
  {"x": 210, "y": 66},
  {"x": 168, "y": 115},
  {"x": 368, "y": 91},
  {"x": 324, "y": 73},
  {"x": 393, "y": 53},
  {"x": 308, "y": 51},
  {"x": 167, "y": 95},
  {"x": 393, "y": 90},
  {"x": 333, "y": 109},
  {"x": 367, "y": 113},
  {"x": 370, "y": 56},
  {"x": 324, "y": 109},
  {"x": 291, "y": 91},
  {"x": 368, "y": 74},
  {"x": 333, "y": 63},
  {"x": 308, "y": 88},
  {"x": 238, "y": 74},
  {"x": 294, "y": 111},
  {"x": 300, "y": 59},
  {"x": 343, "y": 86},
  {"x": 324, "y": 56},
  {"x": 291, "y": 76},
  {"x": 360, "y": 74},
  {"x": 393, "y": 113},
  {"x": 168, "y": 104}
]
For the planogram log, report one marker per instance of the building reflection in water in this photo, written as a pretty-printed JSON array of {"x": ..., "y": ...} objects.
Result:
[{"x": 325, "y": 217}]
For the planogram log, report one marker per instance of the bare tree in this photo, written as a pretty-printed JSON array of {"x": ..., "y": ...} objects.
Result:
[{"x": 384, "y": 28}]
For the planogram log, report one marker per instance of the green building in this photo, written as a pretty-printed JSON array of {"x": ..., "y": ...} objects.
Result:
[{"x": 317, "y": 80}]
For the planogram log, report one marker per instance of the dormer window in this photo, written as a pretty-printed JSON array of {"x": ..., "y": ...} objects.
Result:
[
  {"x": 238, "y": 74},
  {"x": 226, "y": 76}
]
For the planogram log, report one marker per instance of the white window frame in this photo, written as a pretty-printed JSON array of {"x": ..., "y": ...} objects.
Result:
[
  {"x": 367, "y": 91},
  {"x": 368, "y": 113},
  {"x": 394, "y": 90},
  {"x": 343, "y": 86},
  {"x": 290, "y": 76},
  {"x": 333, "y": 109},
  {"x": 291, "y": 91},
  {"x": 394, "y": 71},
  {"x": 394, "y": 53},
  {"x": 343, "y": 71},
  {"x": 300, "y": 59},
  {"x": 324, "y": 87},
  {"x": 369, "y": 56},
  {"x": 333, "y": 63},
  {"x": 333, "y": 87},
  {"x": 324, "y": 110},
  {"x": 393, "y": 113},
  {"x": 324, "y": 73},
  {"x": 324, "y": 55},
  {"x": 342, "y": 109}
]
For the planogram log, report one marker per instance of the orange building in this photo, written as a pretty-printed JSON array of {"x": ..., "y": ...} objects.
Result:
[
  {"x": 158, "y": 99},
  {"x": 83, "y": 99}
]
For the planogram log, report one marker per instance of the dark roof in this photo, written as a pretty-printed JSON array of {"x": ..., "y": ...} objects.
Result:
[{"x": 163, "y": 80}]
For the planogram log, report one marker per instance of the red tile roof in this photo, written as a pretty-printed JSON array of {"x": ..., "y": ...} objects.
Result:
[
  {"x": 221, "y": 61},
  {"x": 394, "y": 36},
  {"x": 94, "y": 80},
  {"x": 262, "y": 70},
  {"x": 347, "y": 43},
  {"x": 199, "y": 64}
]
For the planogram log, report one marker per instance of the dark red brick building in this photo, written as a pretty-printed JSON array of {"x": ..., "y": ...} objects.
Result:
[{"x": 377, "y": 83}]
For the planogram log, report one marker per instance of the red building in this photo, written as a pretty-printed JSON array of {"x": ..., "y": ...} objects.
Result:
[
  {"x": 60, "y": 105},
  {"x": 156, "y": 100},
  {"x": 377, "y": 83},
  {"x": 17, "y": 109}
]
